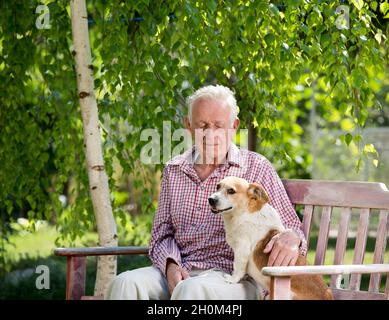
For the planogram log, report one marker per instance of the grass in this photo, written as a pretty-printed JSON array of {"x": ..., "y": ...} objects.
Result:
[
  {"x": 25, "y": 245},
  {"x": 28, "y": 250}
]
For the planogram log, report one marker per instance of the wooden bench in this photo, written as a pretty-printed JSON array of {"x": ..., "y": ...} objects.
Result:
[{"x": 326, "y": 197}]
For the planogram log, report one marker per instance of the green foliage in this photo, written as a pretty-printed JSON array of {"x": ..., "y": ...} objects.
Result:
[{"x": 147, "y": 57}]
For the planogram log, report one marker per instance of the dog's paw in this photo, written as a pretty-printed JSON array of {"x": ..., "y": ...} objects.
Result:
[{"x": 232, "y": 278}]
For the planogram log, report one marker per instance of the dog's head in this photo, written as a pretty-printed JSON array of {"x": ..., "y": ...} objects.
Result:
[{"x": 235, "y": 195}]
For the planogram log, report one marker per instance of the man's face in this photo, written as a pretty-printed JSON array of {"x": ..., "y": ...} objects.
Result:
[{"x": 212, "y": 129}]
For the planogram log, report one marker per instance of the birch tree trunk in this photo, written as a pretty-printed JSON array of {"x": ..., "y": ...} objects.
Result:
[{"x": 98, "y": 180}]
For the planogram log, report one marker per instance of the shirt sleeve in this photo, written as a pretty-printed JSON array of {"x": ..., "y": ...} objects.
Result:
[
  {"x": 162, "y": 243},
  {"x": 280, "y": 201}
]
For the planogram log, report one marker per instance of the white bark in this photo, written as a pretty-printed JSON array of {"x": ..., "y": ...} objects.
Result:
[{"x": 98, "y": 180}]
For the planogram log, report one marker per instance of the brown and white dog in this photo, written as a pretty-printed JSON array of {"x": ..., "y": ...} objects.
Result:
[{"x": 250, "y": 223}]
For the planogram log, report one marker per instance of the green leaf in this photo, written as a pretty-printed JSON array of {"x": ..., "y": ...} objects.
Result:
[
  {"x": 295, "y": 75},
  {"x": 369, "y": 148},
  {"x": 384, "y": 7},
  {"x": 348, "y": 138},
  {"x": 31, "y": 201},
  {"x": 358, "y": 165},
  {"x": 374, "y": 5},
  {"x": 378, "y": 36},
  {"x": 358, "y": 4},
  {"x": 269, "y": 38}
]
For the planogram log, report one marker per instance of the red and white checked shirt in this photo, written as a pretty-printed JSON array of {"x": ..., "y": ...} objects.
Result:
[{"x": 184, "y": 227}]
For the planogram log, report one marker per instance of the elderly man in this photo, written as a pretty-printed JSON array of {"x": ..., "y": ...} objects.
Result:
[{"x": 188, "y": 247}]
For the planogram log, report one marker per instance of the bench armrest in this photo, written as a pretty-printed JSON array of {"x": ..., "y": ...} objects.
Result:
[
  {"x": 327, "y": 269},
  {"x": 280, "y": 277},
  {"x": 100, "y": 251},
  {"x": 76, "y": 265}
]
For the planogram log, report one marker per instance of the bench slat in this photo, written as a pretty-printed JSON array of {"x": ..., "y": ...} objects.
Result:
[
  {"x": 280, "y": 288},
  {"x": 352, "y": 194},
  {"x": 360, "y": 245},
  {"x": 341, "y": 242},
  {"x": 307, "y": 221},
  {"x": 322, "y": 240},
  {"x": 341, "y": 294},
  {"x": 379, "y": 250}
]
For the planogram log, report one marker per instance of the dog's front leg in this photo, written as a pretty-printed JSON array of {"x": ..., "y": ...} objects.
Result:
[{"x": 241, "y": 258}]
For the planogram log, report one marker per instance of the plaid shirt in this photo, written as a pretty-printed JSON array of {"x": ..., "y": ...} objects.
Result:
[{"x": 184, "y": 227}]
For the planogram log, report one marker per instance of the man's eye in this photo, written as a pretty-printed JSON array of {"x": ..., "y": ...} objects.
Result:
[
  {"x": 218, "y": 187},
  {"x": 230, "y": 191}
]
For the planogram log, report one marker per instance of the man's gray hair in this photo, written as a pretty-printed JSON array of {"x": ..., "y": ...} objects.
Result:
[{"x": 217, "y": 92}]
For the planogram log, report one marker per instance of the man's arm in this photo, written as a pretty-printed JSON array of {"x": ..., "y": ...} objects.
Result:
[
  {"x": 163, "y": 247},
  {"x": 280, "y": 201}
]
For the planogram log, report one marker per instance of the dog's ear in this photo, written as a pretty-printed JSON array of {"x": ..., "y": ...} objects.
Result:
[
  {"x": 258, "y": 192},
  {"x": 257, "y": 197}
]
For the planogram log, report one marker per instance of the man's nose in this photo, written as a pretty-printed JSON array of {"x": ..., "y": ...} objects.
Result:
[
  {"x": 212, "y": 201},
  {"x": 211, "y": 134}
]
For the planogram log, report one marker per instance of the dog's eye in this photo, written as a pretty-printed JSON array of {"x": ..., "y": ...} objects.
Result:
[
  {"x": 218, "y": 187},
  {"x": 230, "y": 191}
]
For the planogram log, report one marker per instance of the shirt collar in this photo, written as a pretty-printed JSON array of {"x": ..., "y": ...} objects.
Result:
[{"x": 234, "y": 155}]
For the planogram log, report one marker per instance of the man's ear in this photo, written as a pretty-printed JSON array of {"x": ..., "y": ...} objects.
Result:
[
  {"x": 236, "y": 123},
  {"x": 187, "y": 123},
  {"x": 258, "y": 192}
]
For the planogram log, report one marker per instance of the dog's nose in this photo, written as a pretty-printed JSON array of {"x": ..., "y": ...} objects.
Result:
[{"x": 212, "y": 201}]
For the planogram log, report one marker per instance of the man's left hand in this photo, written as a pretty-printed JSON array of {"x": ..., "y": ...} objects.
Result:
[{"x": 284, "y": 248}]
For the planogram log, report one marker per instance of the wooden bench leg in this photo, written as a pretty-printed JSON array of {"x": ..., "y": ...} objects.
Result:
[
  {"x": 75, "y": 277},
  {"x": 280, "y": 288}
]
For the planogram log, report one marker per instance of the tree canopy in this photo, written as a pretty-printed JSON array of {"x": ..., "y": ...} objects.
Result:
[{"x": 280, "y": 57}]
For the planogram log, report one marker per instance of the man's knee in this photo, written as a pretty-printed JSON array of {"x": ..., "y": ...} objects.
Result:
[
  {"x": 128, "y": 277},
  {"x": 140, "y": 276},
  {"x": 189, "y": 289},
  {"x": 125, "y": 281},
  {"x": 209, "y": 288},
  {"x": 135, "y": 284}
]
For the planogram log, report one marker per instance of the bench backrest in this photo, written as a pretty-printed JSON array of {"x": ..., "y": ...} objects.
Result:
[{"x": 349, "y": 199}]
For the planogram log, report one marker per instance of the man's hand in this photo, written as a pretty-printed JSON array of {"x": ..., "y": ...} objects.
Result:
[
  {"x": 174, "y": 274},
  {"x": 284, "y": 249}
]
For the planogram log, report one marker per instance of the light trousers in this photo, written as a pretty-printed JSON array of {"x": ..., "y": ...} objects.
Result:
[{"x": 149, "y": 283}]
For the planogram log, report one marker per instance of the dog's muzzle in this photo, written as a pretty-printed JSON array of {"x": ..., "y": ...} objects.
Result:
[{"x": 213, "y": 202}]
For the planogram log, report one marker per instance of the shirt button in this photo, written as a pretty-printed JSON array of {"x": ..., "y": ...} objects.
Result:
[
  {"x": 202, "y": 188},
  {"x": 198, "y": 208}
]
